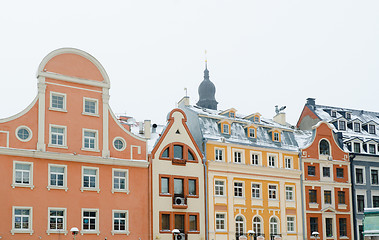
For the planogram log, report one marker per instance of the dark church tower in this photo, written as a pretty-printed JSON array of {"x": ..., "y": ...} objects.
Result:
[{"x": 207, "y": 92}]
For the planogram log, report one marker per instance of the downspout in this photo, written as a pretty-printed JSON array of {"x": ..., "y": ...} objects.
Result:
[
  {"x": 352, "y": 180},
  {"x": 302, "y": 195},
  {"x": 206, "y": 189}
]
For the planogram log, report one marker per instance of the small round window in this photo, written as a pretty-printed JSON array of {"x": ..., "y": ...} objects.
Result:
[
  {"x": 119, "y": 144},
  {"x": 23, "y": 133}
]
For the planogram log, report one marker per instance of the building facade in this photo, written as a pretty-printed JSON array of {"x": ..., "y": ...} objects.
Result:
[
  {"x": 326, "y": 186},
  {"x": 66, "y": 161}
]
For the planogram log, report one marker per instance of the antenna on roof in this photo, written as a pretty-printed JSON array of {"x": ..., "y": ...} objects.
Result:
[{"x": 185, "y": 89}]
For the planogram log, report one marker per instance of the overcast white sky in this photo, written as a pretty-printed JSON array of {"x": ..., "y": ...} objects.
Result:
[{"x": 260, "y": 53}]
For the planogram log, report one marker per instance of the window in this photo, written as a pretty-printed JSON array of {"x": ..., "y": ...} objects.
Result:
[
  {"x": 178, "y": 151},
  {"x": 90, "y": 220},
  {"x": 237, "y": 157},
  {"x": 225, "y": 128},
  {"x": 357, "y": 147},
  {"x": 348, "y": 115},
  {"x": 179, "y": 222},
  {"x": 276, "y": 137},
  {"x": 166, "y": 153},
  {"x": 90, "y": 106},
  {"x": 290, "y": 224},
  {"x": 313, "y": 222},
  {"x": 311, "y": 171},
  {"x": 254, "y": 159},
  {"x": 57, "y": 101},
  {"x": 193, "y": 223},
  {"x": 219, "y": 154},
  {"x": 288, "y": 162},
  {"x": 90, "y": 139},
  {"x": 273, "y": 226},
  {"x": 341, "y": 197},
  {"x": 371, "y": 129},
  {"x": 190, "y": 155},
  {"x": 361, "y": 203},
  {"x": 255, "y": 190},
  {"x": 257, "y": 226},
  {"x": 219, "y": 188},
  {"x": 328, "y": 197},
  {"x": 239, "y": 226},
  {"x": 120, "y": 180},
  {"x": 165, "y": 222},
  {"x": 119, "y": 144},
  {"x": 238, "y": 189},
  {"x": 342, "y": 125},
  {"x": 372, "y": 148},
  {"x": 329, "y": 227},
  {"x": 357, "y": 127},
  {"x": 343, "y": 228},
  {"x": 192, "y": 187},
  {"x": 231, "y": 114},
  {"x": 326, "y": 171},
  {"x": 22, "y": 220},
  {"x": 178, "y": 187},
  {"x": 256, "y": 119},
  {"x": 375, "y": 201},
  {"x": 22, "y": 174},
  {"x": 57, "y": 220},
  {"x": 220, "y": 221},
  {"x": 57, "y": 176},
  {"x": 90, "y": 179},
  {"x": 120, "y": 221},
  {"x": 289, "y": 193},
  {"x": 23, "y": 133},
  {"x": 324, "y": 147},
  {"x": 334, "y": 113},
  {"x": 271, "y": 161},
  {"x": 272, "y": 192},
  {"x": 374, "y": 177},
  {"x": 57, "y": 136},
  {"x": 339, "y": 172},
  {"x": 252, "y": 132},
  {"x": 359, "y": 175},
  {"x": 165, "y": 185},
  {"x": 312, "y": 196}
]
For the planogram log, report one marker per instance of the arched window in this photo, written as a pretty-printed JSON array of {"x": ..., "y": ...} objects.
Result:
[
  {"x": 324, "y": 147},
  {"x": 257, "y": 226},
  {"x": 239, "y": 226},
  {"x": 273, "y": 227}
]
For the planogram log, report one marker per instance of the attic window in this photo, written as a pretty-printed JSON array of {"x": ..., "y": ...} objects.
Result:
[
  {"x": 357, "y": 147},
  {"x": 256, "y": 119},
  {"x": 225, "y": 128},
  {"x": 348, "y": 115},
  {"x": 166, "y": 153},
  {"x": 232, "y": 115},
  {"x": 190, "y": 156},
  {"x": 252, "y": 132},
  {"x": 371, "y": 129},
  {"x": 341, "y": 125},
  {"x": 357, "y": 127},
  {"x": 276, "y": 137},
  {"x": 334, "y": 114},
  {"x": 178, "y": 151},
  {"x": 324, "y": 147}
]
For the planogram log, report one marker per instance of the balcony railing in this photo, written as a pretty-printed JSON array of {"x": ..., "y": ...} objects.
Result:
[{"x": 254, "y": 237}]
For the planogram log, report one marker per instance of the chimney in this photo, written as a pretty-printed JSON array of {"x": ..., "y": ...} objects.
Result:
[
  {"x": 140, "y": 126},
  {"x": 280, "y": 118},
  {"x": 147, "y": 126},
  {"x": 311, "y": 102},
  {"x": 184, "y": 101},
  {"x": 154, "y": 129}
]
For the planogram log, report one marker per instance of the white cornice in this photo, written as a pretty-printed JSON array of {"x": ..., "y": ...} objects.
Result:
[
  {"x": 57, "y": 76},
  {"x": 336, "y": 162},
  {"x": 73, "y": 158}
]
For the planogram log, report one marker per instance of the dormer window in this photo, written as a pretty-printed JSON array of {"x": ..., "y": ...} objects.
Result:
[
  {"x": 357, "y": 147},
  {"x": 342, "y": 125},
  {"x": 276, "y": 137},
  {"x": 348, "y": 115},
  {"x": 256, "y": 119},
  {"x": 371, "y": 129},
  {"x": 225, "y": 128},
  {"x": 357, "y": 127},
  {"x": 334, "y": 113},
  {"x": 252, "y": 132},
  {"x": 372, "y": 148},
  {"x": 232, "y": 115}
]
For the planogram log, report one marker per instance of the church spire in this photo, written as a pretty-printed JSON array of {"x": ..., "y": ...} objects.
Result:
[{"x": 207, "y": 91}]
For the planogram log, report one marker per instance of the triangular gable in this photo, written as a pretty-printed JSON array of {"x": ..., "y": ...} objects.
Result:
[
  {"x": 307, "y": 112},
  {"x": 353, "y": 139},
  {"x": 253, "y": 115},
  {"x": 328, "y": 209},
  {"x": 356, "y": 120},
  {"x": 227, "y": 111},
  {"x": 371, "y": 141},
  {"x": 275, "y": 130},
  {"x": 370, "y": 122}
]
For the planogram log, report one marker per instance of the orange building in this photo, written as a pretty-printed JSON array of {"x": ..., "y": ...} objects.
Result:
[
  {"x": 66, "y": 161},
  {"x": 327, "y": 186}
]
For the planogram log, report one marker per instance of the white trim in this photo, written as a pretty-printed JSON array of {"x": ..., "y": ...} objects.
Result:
[
  {"x": 123, "y": 128},
  {"x": 64, "y": 187},
  {"x": 294, "y": 223},
  {"x": 64, "y": 136},
  {"x": 242, "y": 156},
  {"x": 223, "y": 187},
  {"x": 97, "y": 180},
  {"x": 276, "y": 158},
  {"x": 96, "y": 101},
  {"x": 28, "y": 129},
  {"x": 122, "y": 140},
  {"x": 276, "y": 191},
  {"x": 291, "y": 161},
  {"x": 259, "y": 158},
  {"x": 68, "y": 86},
  {"x": 7, "y": 133},
  {"x": 58, "y": 76},
  {"x": 64, "y": 109},
  {"x": 260, "y": 190},
  {"x": 59, "y": 231},
  {"x": 17, "y": 115},
  {"x": 243, "y": 189},
  {"x": 363, "y": 175},
  {"x": 97, "y": 230},
  {"x": 30, "y": 230},
  {"x": 374, "y": 168},
  {"x": 96, "y": 149},
  {"x": 126, "y": 231},
  {"x": 292, "y": 192},
  {"x": 30, "y": 185},
  {"x": 324, "y": 156},
  {"x": 126, "y": 171},
  {"x": 223, "y": 154},
  {"x": 277, "y": 224},
  {"x": 225, "y": 222}
]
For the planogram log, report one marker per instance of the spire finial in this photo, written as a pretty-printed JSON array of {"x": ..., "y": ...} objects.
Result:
[{"x": 206, "y": 60}]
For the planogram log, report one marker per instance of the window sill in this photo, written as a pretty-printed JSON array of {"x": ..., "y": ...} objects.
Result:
[
  {"x": 56, "y": 232},
  {"x": 165, "y": 194},
  {"x": 57, "y": 109},
  {"x": 193, "y": 232},
  {"x": 313, "y": 205},
  {"x": 89, "y": 232},
  {"x": 57, "y": 146},
  {"x": 342, "y": 206},
  {"x": 240, "y": 197},
  {"x": 90, "y": 189},
  {"x": 14, "y": 185},
  {"x": 221, "y": 230},
  {"x": 192, "y": 196},
  {"x": 90, "y": 114},
  {"x": 120, "y": 232},
  {"x": 90, "y": 150},
  {"x": 120, "y": 191},
  {"x": 344, "y": 237},
  {"x": 273, "y": 199},
  {"x": 13, "y": 231},
  {"x": 165, "y": 231},
  {"x": 220, "y": 196},
  {"x": 57, "y": 188}
]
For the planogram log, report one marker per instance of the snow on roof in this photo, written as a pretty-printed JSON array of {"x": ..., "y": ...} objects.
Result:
[{"x": 303, "y": 138}]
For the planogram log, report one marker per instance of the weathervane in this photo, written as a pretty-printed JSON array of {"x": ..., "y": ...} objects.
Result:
[{"x": 278, "y": 110}]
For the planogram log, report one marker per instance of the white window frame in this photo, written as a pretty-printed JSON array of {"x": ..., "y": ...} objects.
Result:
[
  {"x": 221, "y": 219},
  {"x": 359, "y": 126},
  {"x": 96, "y": 106},
  {"x": 27, "y": 129},
  {"x": 290, "y": 192},
  {"x": 339, "y": 125},
  {"x": 275, "y": 156},
  {"x": 64, "y": 145},
  {"x": 227, "y": 128},
  {"x": 368, "y": 128},
  {"x": 293, "y": 224},
  {"x": 259, "y": 154},
  {"x": 242, "y": 156},
  {"x": 126, "y": 231},
  {"x": 64, "y": 177},
  {"x": 290, "y": 159},
  {"x": 242, "y": 189},
  {"x": 276, "y": 192},
  {"x": 259, "y": 190},
  {"x": 59, "y": 231},
  {"x": 252, "y": 132},
  {"x": 30, "y": 185},
  {"x": 97, "y": 181},
  {"x": 363, "y": 173},
  {"x": 126, "y": 171},
  {"x": 16, "y": 230},
  {"x": 333, "y": 113},
  {"x": 96, "y": 149},
  {"x": 276, "y": 137},
  {"x": 353, "y": 147},
  {"x": 222, "y": 152},
  {"x": 64, "y": 109},
  {"x": 374, "y": 168},
  {"x": 375, "y": 148},
  {"x": 220, "y": 186},
  {"x": 97, "y": 230},
  {"x": 123, "y": 142}
]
